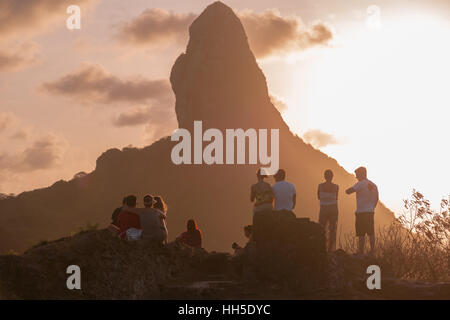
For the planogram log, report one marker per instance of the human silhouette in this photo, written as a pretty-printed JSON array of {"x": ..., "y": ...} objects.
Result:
[
  {"x": 192, "y": 236},
  {"x": 366, "y": 201},
  {"x": 327, "y": 192},
  {"x": 261, "y": 194},
  {"x": 238, "y": 250},
  {"x": 284, "y": 193},
  {"x": 116, "y": 212},
  {"x": 153, "y": 222},
  {"x": 127, "y": 219}
]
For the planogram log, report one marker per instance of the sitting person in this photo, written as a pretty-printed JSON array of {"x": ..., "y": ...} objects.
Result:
[
  {"x": 238, "y": 250},
  {"x": 153, "y": 221},
  {"x": 161, "y": 206},
  {"x": 193, "y": 236},
  {"x": 284, "y": 194},
  {"x": 261, "y": 194},
  {"x": 129, "y": 220},
  {"x": 116, "y": 212},
  {"x": 244, "y": 260}
]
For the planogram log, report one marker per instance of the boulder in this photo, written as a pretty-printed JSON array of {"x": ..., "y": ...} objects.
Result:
[{"x": 289, "y": 249}]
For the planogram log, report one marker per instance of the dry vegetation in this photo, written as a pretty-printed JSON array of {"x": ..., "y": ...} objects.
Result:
[{"x": 416, "y": 246}]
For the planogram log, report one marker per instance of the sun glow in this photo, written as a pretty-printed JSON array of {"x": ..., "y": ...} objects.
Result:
[{"x": 385, "y": 95}]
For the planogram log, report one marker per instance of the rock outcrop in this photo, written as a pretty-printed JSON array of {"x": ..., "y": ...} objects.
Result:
[
  {"x": 288, "y": 250},
  {"x": 115, "y": 269},
  {"x": 110, "y": 268},
  {"x": 218, "y": 79}
]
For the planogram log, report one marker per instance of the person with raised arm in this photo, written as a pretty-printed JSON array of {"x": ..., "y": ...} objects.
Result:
[{"x": 366, "y": 201}]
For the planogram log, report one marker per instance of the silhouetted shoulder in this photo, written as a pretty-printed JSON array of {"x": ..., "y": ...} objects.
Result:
[
  {"x": 261, "y": 186},
  {"x": 371, "y": 185},
  {"x": 328, "y": 187}
]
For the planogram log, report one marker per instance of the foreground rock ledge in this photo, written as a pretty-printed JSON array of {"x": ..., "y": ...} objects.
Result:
[{"x": 116, "y": 269}]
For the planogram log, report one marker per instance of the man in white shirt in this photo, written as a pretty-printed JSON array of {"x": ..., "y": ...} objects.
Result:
[
  {"x": 283, "y": 192},
  {"x": 366, "y": 201}
]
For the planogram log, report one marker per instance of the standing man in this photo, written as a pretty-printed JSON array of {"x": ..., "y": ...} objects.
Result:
[
  {"x": 366, "y": 201},
  {"x": 327, "y": 193},
  {"x": 284, "y": 193},
  {"x": 261, "y": 194}
]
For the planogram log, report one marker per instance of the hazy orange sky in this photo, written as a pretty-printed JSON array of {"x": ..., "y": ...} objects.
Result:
[{"x": 367, "y": 82}]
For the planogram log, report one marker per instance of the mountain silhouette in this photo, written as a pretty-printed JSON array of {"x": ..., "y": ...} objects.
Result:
[{"x": 218, "y": 81}]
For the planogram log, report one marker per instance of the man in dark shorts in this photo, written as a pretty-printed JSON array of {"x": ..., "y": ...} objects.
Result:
[
  {"x": 327, "y": 193},
  {"x": 366, "y": 201}
]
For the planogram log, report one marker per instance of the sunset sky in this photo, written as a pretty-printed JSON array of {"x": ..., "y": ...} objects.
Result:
[{"x": 366, "y": 82}]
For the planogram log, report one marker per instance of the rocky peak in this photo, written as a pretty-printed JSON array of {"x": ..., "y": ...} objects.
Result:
[{"x": 218, "y": 79}]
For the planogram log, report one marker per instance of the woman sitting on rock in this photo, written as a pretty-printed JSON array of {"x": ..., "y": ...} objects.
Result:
[
  {"x": 193, "y": 236},
  {"x": 161, "y": 207}
]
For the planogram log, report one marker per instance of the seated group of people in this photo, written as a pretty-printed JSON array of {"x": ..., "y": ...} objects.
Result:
[{"x": 149, "y": 222}]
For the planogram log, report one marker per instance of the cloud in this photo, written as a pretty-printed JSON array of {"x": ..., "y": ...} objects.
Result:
[
  {"x": 144, "y": 115},
  {"x": 92, "y": 83},
  {"x": 270, "y": 33},
  {"x": 319, "y": 34},
  {"x": 154, "y": 26},
  {"x": 28, "y": 17},
  {"x": 159, "y": 120},
  {"x": 22, "y": 57},
  {"x": 278, "y": 102},
  {"x": 20, "y": 134},
  {"x": 319, "y": 139},
  {"x": 8, "y": 121},
  {"x": 134, "y": 117},
  {"x": 43, "y": 153},
  {"x": 157, "y": 130}
]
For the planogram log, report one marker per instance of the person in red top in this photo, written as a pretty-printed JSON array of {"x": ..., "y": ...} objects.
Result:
[
  {"x": 193, "y": 236},
  {"x": 127, "y": 219}
]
